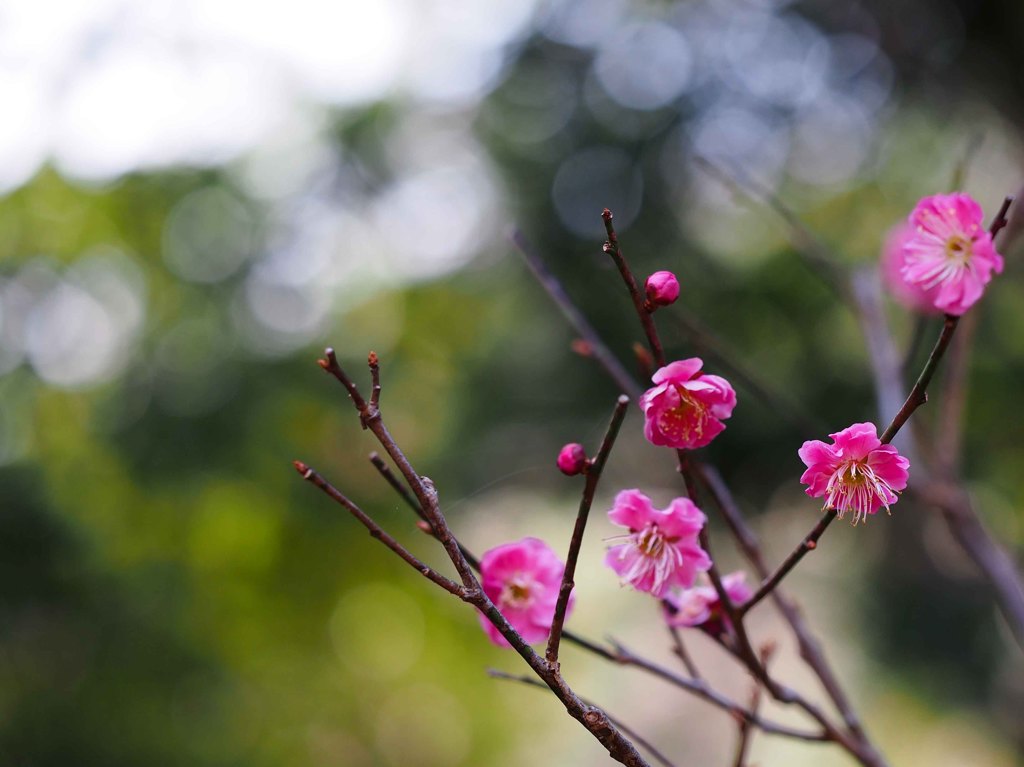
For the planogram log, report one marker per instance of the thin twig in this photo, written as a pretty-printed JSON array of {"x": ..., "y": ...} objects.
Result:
[
  {"x": 746, "y": 731},
  {"x": 596, "y": 347},
  {"x": 374, "y": 362},
  {"x": 816, "y": 254},
  {"x": 712, "y": 346},
  {"x": 679, "y": 648},
  {"x": 403, "y": 492},
  {"x": 613, "y": 249},
  {"x": 810, "y": 648},
  {"x": 592, "y": 718},
  {"x": 576, "y": 542},
  {"x": 640, "y": 740},
  {"x": 701, "y": 690},
  {"x": 377, "y": 532},
  {"x": 809, "y": 543}
]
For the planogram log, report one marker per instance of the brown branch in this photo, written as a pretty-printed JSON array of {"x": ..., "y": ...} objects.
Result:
[
  {"x": 809, "y": 543},
  {"x": 816, "y": 254},
  {"x": 700, "y": 689},
  {"x": 576, "y": 542},
  {"x": 377, "y": 532},
  {"x": 591, "y": 717},
  {"x": 746, "y": 731},
  {"x": 679, "y": 648},
  {"x": 612, "y": 249},
  {"x": 403, "y": 492},
  {"x": 640, "y": 740},
  {"x": 596, "y": 347}
]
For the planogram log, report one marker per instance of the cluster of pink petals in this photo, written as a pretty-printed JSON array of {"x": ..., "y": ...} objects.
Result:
[
  {"x": 951, "y": 255},
  {"x": 700, "y": 605},
  {"x": 685, "y": 408},
  {"x": 661, "y": 550},
  {"x": 522, "y": 578},
  {"x": 856, "y": 474},
  {"x": 893, "y": 259}
]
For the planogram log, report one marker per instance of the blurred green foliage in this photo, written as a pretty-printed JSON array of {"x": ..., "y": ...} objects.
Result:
[{"x": 173, "y": 594}]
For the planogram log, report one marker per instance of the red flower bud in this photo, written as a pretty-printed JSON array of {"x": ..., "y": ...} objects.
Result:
[
  {"x": 572, "y": 459},
  {"x": 662, "y": 289}
]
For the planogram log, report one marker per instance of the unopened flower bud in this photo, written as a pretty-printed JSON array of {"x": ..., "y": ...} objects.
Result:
[
  {"x": 572, "y": 459},
  {"x": 662, "y": 289}
]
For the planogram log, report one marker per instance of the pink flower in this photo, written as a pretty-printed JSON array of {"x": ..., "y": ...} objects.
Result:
[
  {"x": 572, "y": 459},
  {"x": 700, "y": 605},
  {"x": 893, "y": 259},
  {"x": 856, "y": 473},
  {"x": 951, "y": 252},
  {"x": 522, "y": 579},
  {"x": 685, "y": 407},
  {"x": 662, "y": 289},
  {"x": 661, "y": 548}
]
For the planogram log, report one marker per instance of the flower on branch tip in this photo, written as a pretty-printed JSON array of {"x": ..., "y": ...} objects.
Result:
[
  {"x": 951, "y": 255},
  {"x": 522, "y": 578},
  {"x": 661, "y": 550},
  {"x": 857, "y": 473},
  {"x": 700, "y": 606},
  {"x": 685, "y": 408},
  {"x": 912, "y": 296},
  {"x": 662, "y": 289},
  {"x": 572, "y": 459}
]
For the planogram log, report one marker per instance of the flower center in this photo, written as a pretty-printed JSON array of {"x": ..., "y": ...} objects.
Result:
[
  {"x": 516, "y": 593},
  {"x": 855, "y": 487},
  {"x": 686, "y": 420},
  {"x": 958, "y": 249},
  {"x": 651, "y": 542}
]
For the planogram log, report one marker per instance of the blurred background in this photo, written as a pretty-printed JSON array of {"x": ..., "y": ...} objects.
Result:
[{"x": 197, "y": 197}]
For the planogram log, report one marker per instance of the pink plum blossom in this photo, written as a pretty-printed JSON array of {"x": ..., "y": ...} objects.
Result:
[
  {"x": 522, "y": 579},
  {"x": 685, "y": 408},
  {"x": 951, "y": 253},
  {"x": 857, "y": 473},
  {"x": 700, "y": 605},
  {"x": 662, "y": 289},
  {"x": 893, "y": 259},
  {"x": 661, "y": 548},
  {"x": 572, "y": 459}
]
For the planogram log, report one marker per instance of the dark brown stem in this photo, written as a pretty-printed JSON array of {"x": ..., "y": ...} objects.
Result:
[
  {"x": 576, "y": 542},
  {"x": 809, "y": 543},
  {"x": 425, "y": 494},
  {"x": 403, "y": 492},
  {"x": 701, "y": 690},
  {"x": 818, "y": 256},
  {"x": 612, "y": 249},
  {"x": 810, "y": 648},
  {"x": 596, "y": 347},
  {"x": 746, "y": 731},
  {"x": 592, "y": 718},
  {"x": 377, "y": 532},
  {"x": 374, "y": 363},
  {"x": 639, "y": 739},
  {"x": 679, "y": 648}
]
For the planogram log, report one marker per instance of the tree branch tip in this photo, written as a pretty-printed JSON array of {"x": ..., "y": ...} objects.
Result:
[
  {"x": 303, "y": 469},
  {"x": 623, "y": 400},
  {"x": 606, "y": 214},
  {"x": 372, "y": 360}
]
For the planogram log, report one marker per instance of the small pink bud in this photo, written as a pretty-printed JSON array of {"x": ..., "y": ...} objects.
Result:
[
  {"x": 572, "y": 459},
  {"x": 662, "y": 289}
]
